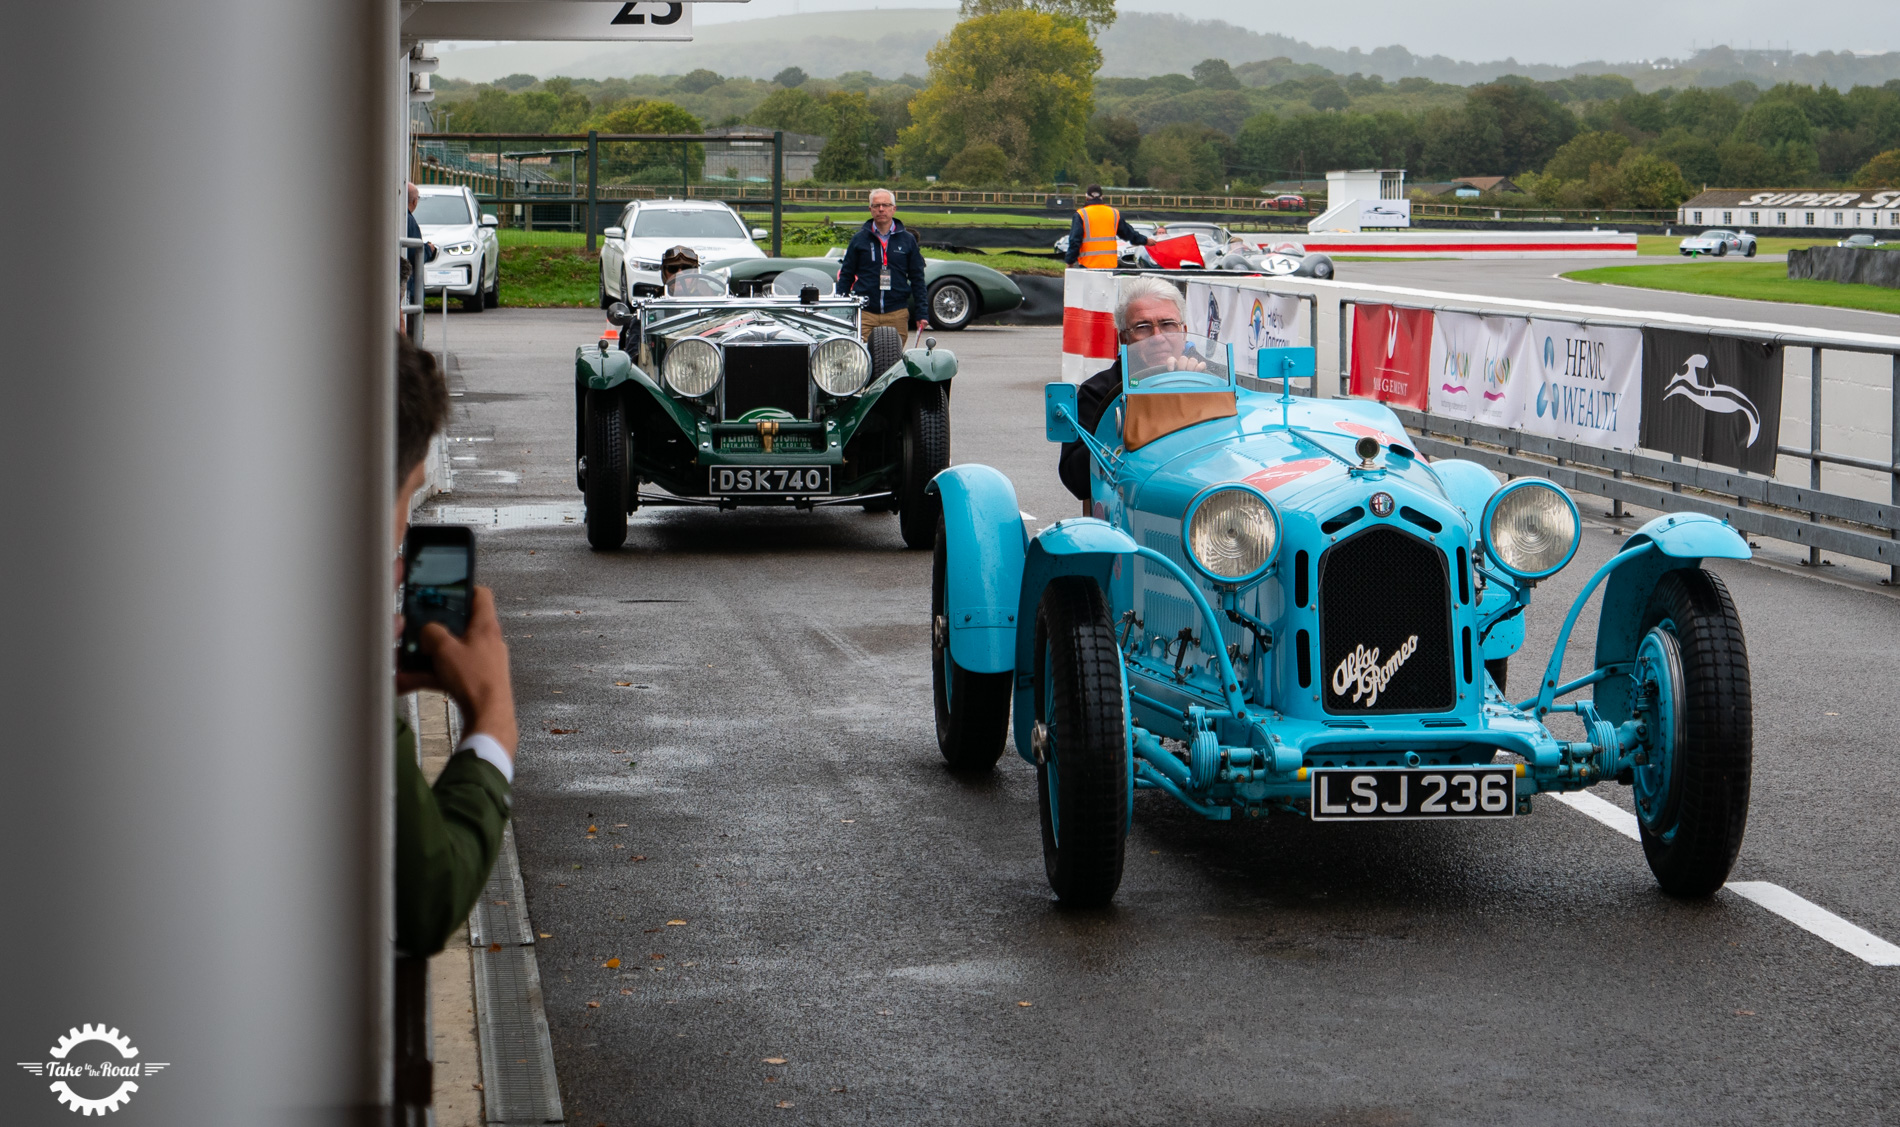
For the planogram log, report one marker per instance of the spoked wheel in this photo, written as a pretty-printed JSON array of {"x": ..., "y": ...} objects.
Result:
[
  {"x": 952, "y": 305},
  {"x": 1692, "y": 685},
  {"x": 1080, "y": 743},
  {"x": 972, "y": 708},
  {"x": 608, "y": 482},
  {"x": 926, "y": 453},
  {"x": 887, "y": 348}
]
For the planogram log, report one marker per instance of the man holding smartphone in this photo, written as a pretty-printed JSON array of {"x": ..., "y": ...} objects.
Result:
[{"x": 447, "y": 835}]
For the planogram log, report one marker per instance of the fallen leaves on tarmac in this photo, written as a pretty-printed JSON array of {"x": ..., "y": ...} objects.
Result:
[
  {"x": 593, "y": 1005},
  {"x": 783, "y": 1103},
  {"x": 563, "y": 731},
  {"x": 612, "y": 963},
  {"x": 493, "y": 947},
  {"x": 773, "y": 1060},
  {"x": 676, "y": 923}
]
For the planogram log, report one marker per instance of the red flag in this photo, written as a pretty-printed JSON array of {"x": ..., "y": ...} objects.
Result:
[
  {"x": 1171, "y": 254},
  {"x": 1391, "y": 354}
]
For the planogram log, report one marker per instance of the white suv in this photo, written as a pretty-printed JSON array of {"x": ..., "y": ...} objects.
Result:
[
  {"x": 630, "y": 252},
  {"x": 468, "y": 255}
]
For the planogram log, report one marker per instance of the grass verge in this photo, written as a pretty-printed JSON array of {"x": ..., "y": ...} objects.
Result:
[{"x": 1753, "y": 281}]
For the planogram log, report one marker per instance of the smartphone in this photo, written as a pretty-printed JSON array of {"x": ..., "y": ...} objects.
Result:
[{"x": 438, "y": 586}]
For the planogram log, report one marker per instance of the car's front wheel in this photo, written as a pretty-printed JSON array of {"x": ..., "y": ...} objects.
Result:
[
  {"x": 494, "y": 289},
  {"x": 952, "y": 305},
  {"x": 475, "y": 300},
  {"x": 1750, "y": 252},
  {"x": 606, "y": 298},
  {"x": 608, "y": 480},
  {"x": 972, "y": 708},
  {"x": 1721, "y": 250},
  {"x": 1080, "y": 743},
  {"x": 925, "y": 454},
  {"x": 1695, "y": 700}
]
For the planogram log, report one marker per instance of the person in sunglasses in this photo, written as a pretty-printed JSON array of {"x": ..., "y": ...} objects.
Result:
[
  {"x": 676, "y": 261},
  {"x": 1151, "y": 322}
]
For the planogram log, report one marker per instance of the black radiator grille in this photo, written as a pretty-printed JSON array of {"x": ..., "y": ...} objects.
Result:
[
  {"x": 767, "y": 375},
  {"x": 1378, "y": 590}
]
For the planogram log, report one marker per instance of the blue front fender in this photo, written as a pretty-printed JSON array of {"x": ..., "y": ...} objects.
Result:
[
  {"x": 983, "y": 545},
  {"x": 1078, "y": 546},
  {"x": 1682, "y": 540}
]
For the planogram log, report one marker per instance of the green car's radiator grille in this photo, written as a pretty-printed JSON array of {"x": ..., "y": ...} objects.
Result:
[
  {"x": 1385, "y": 625},
  {"x": 751, "y": 444},
  {"x": 774, "y": 376}
]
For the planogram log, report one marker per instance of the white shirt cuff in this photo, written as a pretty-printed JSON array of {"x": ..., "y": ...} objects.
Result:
[{"x": 489, "y": 750}]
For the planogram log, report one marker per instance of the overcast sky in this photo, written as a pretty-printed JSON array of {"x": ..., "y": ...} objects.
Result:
[{"x": 1532, "y": 31}]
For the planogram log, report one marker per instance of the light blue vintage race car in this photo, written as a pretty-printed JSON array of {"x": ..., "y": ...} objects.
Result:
[{"x": 1280, "y": 606}]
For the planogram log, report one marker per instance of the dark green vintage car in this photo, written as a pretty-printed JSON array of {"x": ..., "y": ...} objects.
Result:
[
  {"x": 725, "y": 401},
  {"x": 958, "y": 292}
]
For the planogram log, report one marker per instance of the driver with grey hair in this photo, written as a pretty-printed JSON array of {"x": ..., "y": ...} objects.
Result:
[{"x": 1151, "y": 323}]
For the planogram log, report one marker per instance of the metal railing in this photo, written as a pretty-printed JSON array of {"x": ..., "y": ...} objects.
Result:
[
  {"x": 1810, "y": 516},
  {"x": 433, "y": 160}
]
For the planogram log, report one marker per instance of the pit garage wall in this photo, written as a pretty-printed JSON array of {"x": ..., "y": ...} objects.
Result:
[{"x": 1856, "y": 410}]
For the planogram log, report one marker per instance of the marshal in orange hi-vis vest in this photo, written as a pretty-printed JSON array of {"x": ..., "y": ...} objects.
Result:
[{"x": 1100, "y": 248}]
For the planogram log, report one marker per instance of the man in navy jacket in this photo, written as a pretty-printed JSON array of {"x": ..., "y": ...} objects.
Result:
[{"x": 884, "y": 266}]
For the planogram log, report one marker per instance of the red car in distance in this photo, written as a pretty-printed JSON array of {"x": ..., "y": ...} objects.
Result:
[{"x": 1286, "y": 202}]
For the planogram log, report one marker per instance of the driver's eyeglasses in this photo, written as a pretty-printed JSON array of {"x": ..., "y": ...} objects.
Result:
[{"x": 1142, "y": 330}]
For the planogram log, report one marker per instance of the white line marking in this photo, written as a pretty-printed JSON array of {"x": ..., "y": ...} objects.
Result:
[
  {"x": 1812, "y": 918},
  {"x": 1609, "y": 813},
  {"x": 1804, "y": 914}
]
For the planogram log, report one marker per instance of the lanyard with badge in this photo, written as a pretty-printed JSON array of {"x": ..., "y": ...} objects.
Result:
[{"x": 884, "y": 271}]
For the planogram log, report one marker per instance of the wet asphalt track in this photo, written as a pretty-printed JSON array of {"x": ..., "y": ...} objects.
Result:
[{"x": 851, "y": 908}]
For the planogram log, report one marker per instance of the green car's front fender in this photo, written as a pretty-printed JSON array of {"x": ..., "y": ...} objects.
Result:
[
  {"x": 595, "y": 370},
  {"x": 919, "y": 366}
]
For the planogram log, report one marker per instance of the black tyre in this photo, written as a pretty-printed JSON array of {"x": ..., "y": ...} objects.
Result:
[
  {"x": 1721, "y": 250},
  {"x": 953, "y": 305},
  {"x": 606, "y": 298},
  {"x": 1750, "y": 252},
  {"x": 1322, "y": 270},
  {"x": 926, "y": 453},
  {"x": 494, "y": 291},
  {"x": 972, "y": 708},
  {"x": 478, "y": 300},
  {"x": 1080, "y": 738},
  {"x": 609, "y": 487},
  {"x": 887, "y": 348},
  {"x": 1692, "y": 796},
  {"x": 1499, "y": 668}
]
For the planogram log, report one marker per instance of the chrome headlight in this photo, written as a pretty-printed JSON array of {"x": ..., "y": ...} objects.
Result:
[
  {"x": 1531, "y": 528},
  {"x": 1232, "y": 533},
  {"x": 692, "y": 367},
  {"x": 840, "y": 366},
  {"x": 456, "y": 250}
]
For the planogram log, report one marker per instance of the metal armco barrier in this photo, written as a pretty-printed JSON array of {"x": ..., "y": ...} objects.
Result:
[{"x": 1810, "y": 516}]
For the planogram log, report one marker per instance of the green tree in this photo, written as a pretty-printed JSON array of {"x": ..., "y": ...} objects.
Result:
[
  {"x": 1215, "y": 74},
  {"x": 1709, "y": 114},
  {"x": 1772, "y": 123},
  {"x": 1649, "y": 182},
  {"x": 980, "y": 164},
  {"x": 1585, "y": 151},
  {"x": 844, "y": 156},
  {"x": 1097, "y": 14},
  {"x": 1021, "y": 80},
  {"x": 794, "y": 111},
  {"x": 1697, "y": 157},
  {"x": 697, "y": 81},
  {"x": 1181, "y": 157},
  {"x": 1881, "y": 172},
  {"x": 1528, "y": 124},
  {"x": 1331, "y": 96},
  {"x": 655, "y": 162},
  {"x": 790, "y": 77},
  {"x": 1113, "y": 140}
]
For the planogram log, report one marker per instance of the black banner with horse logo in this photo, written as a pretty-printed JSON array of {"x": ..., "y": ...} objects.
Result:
[{"x": 1717, "y": 399}]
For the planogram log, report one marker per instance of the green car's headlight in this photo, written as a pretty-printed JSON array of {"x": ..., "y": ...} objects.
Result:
[
  {"x": 692, "y": 367},
  {"x": 1531, "y": 528},
  {"x": 1232, "y": 533},
  {"x": 840, "y": 366}
]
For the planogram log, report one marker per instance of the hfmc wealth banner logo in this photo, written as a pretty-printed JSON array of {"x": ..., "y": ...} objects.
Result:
[{"x": 94, "y": 1070}]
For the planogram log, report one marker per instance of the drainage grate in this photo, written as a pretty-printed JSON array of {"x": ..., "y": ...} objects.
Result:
[
  {"x": 518, "y": 1084},
  {"x": 501, "y": 915}
]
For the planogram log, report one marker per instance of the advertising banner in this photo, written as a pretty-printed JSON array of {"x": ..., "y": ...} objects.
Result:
[
  {"x": 1248, "y": 319},
  {"x": 1391, "y": 355},
  {"x": 1712, "y": 398},
  {"x": 1385, "y": 213},
  {"x": 1586, "y": 386},
  {"x": 1481, "y": 369}
]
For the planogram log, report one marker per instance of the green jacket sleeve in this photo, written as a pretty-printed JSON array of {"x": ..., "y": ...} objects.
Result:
[{"x": 447, "y": 838}]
